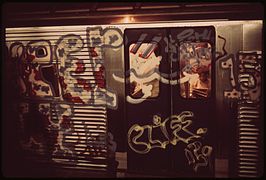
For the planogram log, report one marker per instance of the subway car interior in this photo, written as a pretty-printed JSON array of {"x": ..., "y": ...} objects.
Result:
[{"x": 132, "y": 89}]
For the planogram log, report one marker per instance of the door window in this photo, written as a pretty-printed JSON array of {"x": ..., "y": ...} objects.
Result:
[
  {"x": 195, "y": 69},
  {"x": 144, "y": 62}
]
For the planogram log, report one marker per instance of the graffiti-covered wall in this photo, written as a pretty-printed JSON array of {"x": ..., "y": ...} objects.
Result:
[{"x": 60, "y": 78}]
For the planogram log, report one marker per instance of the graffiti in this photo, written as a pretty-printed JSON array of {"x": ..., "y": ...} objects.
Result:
[
  {"x": 61, "y": 124},
  {"x": 49, "y": 75},
  {"x": 192, "y": 35},
  {"x": 66, "y": 45},
  {"x": 249, "y": 76},
  {"x": 65, "y": 126},
  {"x": 201, "y": 52},
  {"x": 75, "y": 74},
  {"x": 142, "y": 70},
  {"x": 249, "y": 109},
  {"x": 110, "y": 37},
  {"x": 56, "y": 70},
  {"x": 249, "y": 83},
  {"x": 198, "y": 155},
  {"x": 245, "y": 80},
  {"x": 156, "y": 74},
  {"x": 79, "y": 88},
  {"x": 111, "y": 99},
  {"x": 34, "y": 125},
  {"x": 41, "y": 50},
  {"x": 34, "y": 51},
  {"x": 99, "y": 39},
  {"x": 75, "y": 136},
  {"x": 144, "y": 62},
  {"x": 224, "y": 53},
  {"x": 175, "y": 42},
  {"x": 150, "y": 47},
  {"x": 144, "y": 75},
  {"x": 17, "y": 51},
  {"x": 195, "y": 69},
  {"x": 136, "y": 46},
  {"x": 113, "y": 37},
  {"x": 30, "y": 62},
  {"x": 227, "y": 62},
  {"x": 171, "y": 48},
  {"x": 173, "y": 129}
]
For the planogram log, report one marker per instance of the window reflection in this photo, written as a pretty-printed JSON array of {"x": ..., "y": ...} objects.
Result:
[{"x": 195, "y": 69}]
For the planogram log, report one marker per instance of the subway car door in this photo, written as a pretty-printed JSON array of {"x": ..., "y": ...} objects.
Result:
[
  {"x": 193, "y": 96},
  {"x": 147, "y": 100},
  {"x": 170, "y": 125}
]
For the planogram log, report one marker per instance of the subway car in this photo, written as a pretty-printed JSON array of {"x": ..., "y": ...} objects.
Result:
[{"x": 133, "y": 89}]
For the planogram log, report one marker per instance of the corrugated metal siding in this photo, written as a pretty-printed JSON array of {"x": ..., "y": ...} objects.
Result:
[
  {"x": 249, "y": 122},
  {"x": 75, "y": 127}
]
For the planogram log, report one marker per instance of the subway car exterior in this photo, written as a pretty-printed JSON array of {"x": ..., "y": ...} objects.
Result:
[{"x": 133, "y": 98}]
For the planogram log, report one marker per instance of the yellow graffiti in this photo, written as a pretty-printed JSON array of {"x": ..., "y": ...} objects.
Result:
[
  {"x": 198, "y": 155},
  {"x": 177, "y": 124}
]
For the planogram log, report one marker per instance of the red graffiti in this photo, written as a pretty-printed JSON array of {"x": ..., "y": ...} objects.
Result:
[
  {"x": 99, "y": 76},
  {"x": 85, "y": 84},
  {"x": 62, "y": 83},
  {"x": 46, "y": 121},
  {"x": 30, "y": 57},
  {"x": 68, "y": 97},
  {"x": 92, "y": 52},
  {"x": 80, "y": 67},
  {"x": 66, "y": 122},
  {"x": 29, "y": 90},
  {"x": 201, "y": 45},
  {"x": 33, "y": 93},
  {"x": 37, "y": 75}
]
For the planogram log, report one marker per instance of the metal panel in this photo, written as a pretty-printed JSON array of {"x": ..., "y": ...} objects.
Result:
[
  {"x": 62, "y": 90},
  {"x": 249, "y": 126},
  {"x": 163, "y": 137}
]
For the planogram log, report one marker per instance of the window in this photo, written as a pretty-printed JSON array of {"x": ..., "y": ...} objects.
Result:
[
  {"x": 195, "y": 69},
  {"x": 144, "y": 64}
]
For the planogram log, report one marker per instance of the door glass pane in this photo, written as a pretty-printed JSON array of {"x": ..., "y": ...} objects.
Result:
[
  {"x": 195, "y": 69},
  {"x": 144, "y": 62}
]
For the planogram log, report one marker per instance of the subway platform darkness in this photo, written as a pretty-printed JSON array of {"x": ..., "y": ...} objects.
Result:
[{"x": 102, "y": 90}]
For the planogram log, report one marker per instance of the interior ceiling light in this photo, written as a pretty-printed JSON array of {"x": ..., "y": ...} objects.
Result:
[{"x": 128, "y": 19}]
